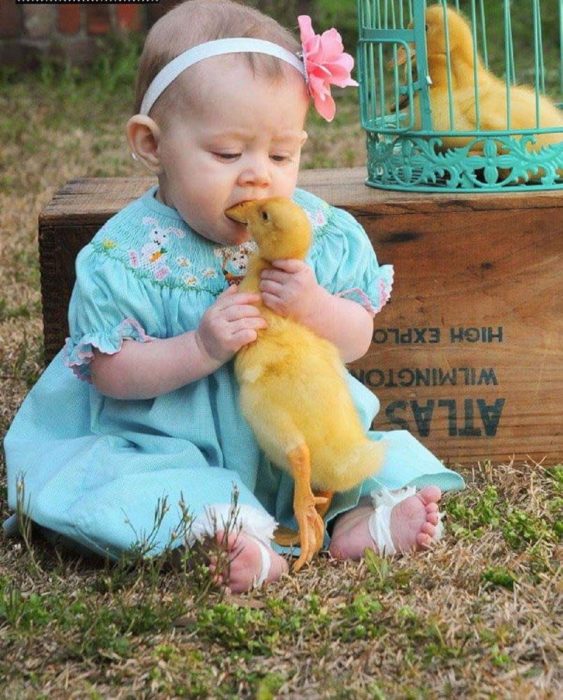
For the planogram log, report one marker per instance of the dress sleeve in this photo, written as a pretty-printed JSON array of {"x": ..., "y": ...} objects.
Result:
[
  {"x": 108, "y": 305},
  {"x": 345, "y": 262}
]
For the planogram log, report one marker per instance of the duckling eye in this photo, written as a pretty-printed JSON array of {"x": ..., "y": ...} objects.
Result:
[
  {"x": 425, "y": 27},
  {"x": 265, "y": 216}
]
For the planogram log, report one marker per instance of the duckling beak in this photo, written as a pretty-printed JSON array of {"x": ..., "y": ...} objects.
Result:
[
  {"x": 401, "y": 57},
  {"x": 240, "y": 212}
]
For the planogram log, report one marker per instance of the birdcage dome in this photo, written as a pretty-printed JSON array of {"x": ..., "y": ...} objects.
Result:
[{"x": 462, "y": 95}]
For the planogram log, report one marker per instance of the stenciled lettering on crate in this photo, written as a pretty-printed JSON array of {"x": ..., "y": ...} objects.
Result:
[
  {"x": 435, "y": 399},
  {"x": 466, "y": 355}
]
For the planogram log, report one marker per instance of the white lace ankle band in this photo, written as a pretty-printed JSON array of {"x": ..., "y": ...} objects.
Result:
[{"x": 219, "y": 47}]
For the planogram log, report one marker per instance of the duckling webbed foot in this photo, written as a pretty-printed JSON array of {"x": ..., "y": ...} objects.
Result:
[
  {"x": 286, "y": 537},
  {"x": 311, "y": 525}
]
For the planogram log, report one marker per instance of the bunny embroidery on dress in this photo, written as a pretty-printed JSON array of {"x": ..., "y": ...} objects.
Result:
[
  {"x": 317, "y": 218},
  {"x": 153, "y": 254}
]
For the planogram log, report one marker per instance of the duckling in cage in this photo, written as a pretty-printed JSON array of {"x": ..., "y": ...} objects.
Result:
[{"x": 438, "y": 115}]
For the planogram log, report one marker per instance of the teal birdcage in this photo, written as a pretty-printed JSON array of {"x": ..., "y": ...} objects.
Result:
[{"x": 462, "y": 95}]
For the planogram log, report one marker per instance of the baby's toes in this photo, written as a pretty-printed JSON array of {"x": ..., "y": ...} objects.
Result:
[
  {"x": 425, "y": 537},
  {"x": 217, "y": 576},
  {"x": 423, "y": 540},
  {"x": 429, "y": 494},
  {"x": 432, "y": 517}
]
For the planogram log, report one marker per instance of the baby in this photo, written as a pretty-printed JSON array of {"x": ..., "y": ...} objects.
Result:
[{"x": 222, "y": 98}]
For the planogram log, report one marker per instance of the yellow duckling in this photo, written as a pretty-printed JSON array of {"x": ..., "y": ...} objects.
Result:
[
  {"x": 293, "y": 390},
  {"x": 490, "y": 90}
]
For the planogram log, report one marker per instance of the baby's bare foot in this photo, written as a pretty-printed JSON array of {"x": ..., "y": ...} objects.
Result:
[
  {"x": 413, "y": 526},
  {"x": 241, "y": 567}
]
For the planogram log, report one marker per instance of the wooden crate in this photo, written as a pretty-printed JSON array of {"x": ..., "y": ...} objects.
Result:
[{"x": 467, "y": 355}]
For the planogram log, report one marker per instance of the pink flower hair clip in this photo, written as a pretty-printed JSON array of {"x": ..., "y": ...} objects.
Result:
[{"x": 326, "y": 63}]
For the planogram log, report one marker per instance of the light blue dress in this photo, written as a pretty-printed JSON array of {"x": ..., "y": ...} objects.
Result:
[{"x": 94, "y": 468}]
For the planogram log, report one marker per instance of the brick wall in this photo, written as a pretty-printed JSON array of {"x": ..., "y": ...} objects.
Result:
[
  {"x": 67, "y": 31},
  {"x": 70, "y": 31}
]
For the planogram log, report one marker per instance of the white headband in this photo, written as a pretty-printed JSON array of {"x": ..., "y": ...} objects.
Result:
[{"x": 218, "y": 47}]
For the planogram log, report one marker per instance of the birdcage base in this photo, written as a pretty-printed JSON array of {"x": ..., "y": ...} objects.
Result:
[{"x": 484, "y": 164}]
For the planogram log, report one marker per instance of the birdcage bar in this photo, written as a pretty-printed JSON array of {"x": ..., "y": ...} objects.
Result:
[
  {"x": 372, "y": 101},
  {"x": 510, "y": 69},
  {"x": 561, "y": 51},
  {"x": 475, "y": 64},
  {"x": 397, "y": 92},
  {"x": 484, "y": 45},
  {"x": 539, "y": 68},
  {"x": 382, "y": 108}
]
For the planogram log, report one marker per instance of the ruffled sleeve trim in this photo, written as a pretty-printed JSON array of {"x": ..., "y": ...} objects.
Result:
[
  {"x": 79, "y": 354},
  {"x": 380, "y": 291}
]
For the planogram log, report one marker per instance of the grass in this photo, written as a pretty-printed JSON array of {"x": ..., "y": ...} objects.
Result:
[{"x": 476, "y": 617}]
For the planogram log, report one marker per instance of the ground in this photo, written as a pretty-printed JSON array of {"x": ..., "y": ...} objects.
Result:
[{"x": 475, "y": 617}]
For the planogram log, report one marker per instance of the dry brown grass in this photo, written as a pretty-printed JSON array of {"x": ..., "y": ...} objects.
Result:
[{"x": 476, "y": 617}]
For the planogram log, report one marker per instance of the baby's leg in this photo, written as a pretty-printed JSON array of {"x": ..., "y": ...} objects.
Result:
[
  {"x": 247, "y": 562},
  {"x": 413, "y": 525}
]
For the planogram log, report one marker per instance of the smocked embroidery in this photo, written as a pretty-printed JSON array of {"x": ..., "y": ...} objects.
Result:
[
  {"x": 156, "y": 261},
  {"x": 160, "y": 255},
  {"x": 317, "y": 218}
]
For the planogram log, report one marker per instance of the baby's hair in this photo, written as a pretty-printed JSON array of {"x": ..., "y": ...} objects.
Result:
[{"x": 197, "y": 21}]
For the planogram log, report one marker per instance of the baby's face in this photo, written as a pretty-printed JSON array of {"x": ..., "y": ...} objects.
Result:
[{"x": 241, "y": 141}]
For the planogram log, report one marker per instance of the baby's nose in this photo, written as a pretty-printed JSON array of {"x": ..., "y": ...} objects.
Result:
[{"x": 256, "y": 171}]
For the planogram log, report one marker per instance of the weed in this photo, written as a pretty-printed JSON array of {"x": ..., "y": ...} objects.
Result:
[
  {"x": 362, "y": 618},
  {"x": 146, "y": 543},
  {"x": 521, "y": 529},
  {"x": 267, "y": 688},
  {"x": 25, "y": 524},
  {"x": 555, "y": 473},
  {"x": 24, "y": 613},
  {"x": 24, "y": 363},
  {"x": 499, "y": 576},
  {"x": 235, "y": 628},
  {"x": 470, "y": 519},
  {"x": 383, "y": 575},
  {"x": 407, "y": 618},
  {"x": 103, "y": 631},
  {"x": 20, "y": 311}
]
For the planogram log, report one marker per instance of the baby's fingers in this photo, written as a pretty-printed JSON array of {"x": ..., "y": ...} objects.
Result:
[
  {"x": 234, "y": 313},
  {"x": 231, "y": 298},
  {"x": 252, "y": 322},
  {"x": 228, "y": 292},
  {"x": 246, "y": 331}
]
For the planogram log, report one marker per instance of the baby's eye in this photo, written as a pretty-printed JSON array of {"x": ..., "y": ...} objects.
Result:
[
  {"x": 279, "y": 158},
  {"x": 226, "y": 156}
]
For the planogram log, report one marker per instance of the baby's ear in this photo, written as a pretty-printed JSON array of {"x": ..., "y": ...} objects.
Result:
[{"x": 143, "y": 135}]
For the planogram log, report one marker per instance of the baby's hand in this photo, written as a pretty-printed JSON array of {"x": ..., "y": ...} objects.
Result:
[
  {"x": 290, "y": 288},
  {"x": 232, "y": 321}
]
